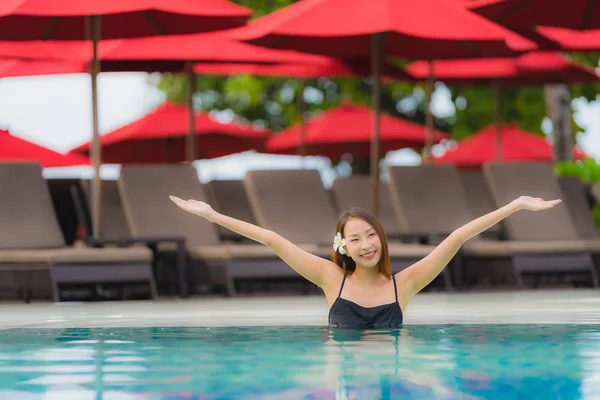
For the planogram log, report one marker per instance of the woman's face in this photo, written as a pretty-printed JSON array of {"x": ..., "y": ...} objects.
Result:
[{"x": 363, "y": 244}]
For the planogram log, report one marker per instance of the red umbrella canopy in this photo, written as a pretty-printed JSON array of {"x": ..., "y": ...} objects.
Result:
[
  {"x": 46, "y": 50},
  {"x": 333, "y": 68},
  {"x": 536, "y": 68},
  {"x": 16, "y": 149},
  {"x": 171, "y": 53},
  {"x": 414, "y": 29},
  {"x": 159, "y": 137},
  {"x": 14, "y": 68},
  {"x": 327, "y": 67},
  {"x": 347, "y": 129},
  {"x": 65, "y": 19},
  {"x": 526, "y": 14},
  {"x": 572, "y": 40},
  {"x": 517, "y": 145}
]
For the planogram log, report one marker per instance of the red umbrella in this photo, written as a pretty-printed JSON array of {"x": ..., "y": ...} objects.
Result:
[
  {"x": 520, "y": 145},
  {"x": 526, "y": 14},
  {"x": 329, "y": 67},
  {"x": 68, "y": 19},
  {"x": 413, "y": 29},
  {"x": 535, "y": 68},
  {"x": 159, "y": 137},
  {"x": 325, "y": 67},
  {"x": 175, "y": 53},
  {"x": 15, "y": 68},
  {"x": 334, "y": 68},
  {"x": 572, "y": 40},
  {"x": 427, "y": 29},
  {"x": 345, "y": 129},
  {"x": 15, "y": 149},
  {"x": 83, "y": 20}
]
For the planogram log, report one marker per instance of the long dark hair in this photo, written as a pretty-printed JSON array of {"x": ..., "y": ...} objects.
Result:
[{"x": 344, "y": 261}]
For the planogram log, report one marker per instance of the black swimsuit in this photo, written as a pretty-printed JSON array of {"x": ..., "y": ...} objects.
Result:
[{"x": 347, "y": 314}]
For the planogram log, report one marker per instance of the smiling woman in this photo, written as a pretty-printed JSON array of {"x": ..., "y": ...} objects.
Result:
[{"x": 360, "y": 266}]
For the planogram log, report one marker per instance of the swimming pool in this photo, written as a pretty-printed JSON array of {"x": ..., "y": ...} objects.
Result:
[{"x": 416, "y": 361}]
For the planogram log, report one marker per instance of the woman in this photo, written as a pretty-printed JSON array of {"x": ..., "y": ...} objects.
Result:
[{"x": 357, "y": 282}]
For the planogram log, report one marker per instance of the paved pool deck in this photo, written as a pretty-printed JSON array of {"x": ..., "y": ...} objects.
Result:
[{"x": 512, "y": 307}]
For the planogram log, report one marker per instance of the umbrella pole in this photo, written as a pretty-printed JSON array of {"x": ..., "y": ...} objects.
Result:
[
  {"x": 376, "y": 40},
  {"x": 96, "y": 153},
  {"x": 301, "y": 107},
  {"x": 191, "y": 136},
  {"x": 498, "y": 119},
  {"x": 428, "y": 115}
]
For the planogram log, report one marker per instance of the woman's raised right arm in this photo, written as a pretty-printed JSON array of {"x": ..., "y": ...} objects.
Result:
[{"x": 311, "y": 267}]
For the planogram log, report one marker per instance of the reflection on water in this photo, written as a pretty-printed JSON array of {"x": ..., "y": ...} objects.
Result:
[{"x": 428, "y": 362}]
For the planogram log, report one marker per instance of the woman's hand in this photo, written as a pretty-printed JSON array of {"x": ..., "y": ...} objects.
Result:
[
  {"x": 534, "y": 203},
  {"x": 192, "y": 206}
]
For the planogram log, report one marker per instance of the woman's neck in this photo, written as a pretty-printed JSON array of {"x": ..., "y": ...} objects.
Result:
[{"x": 367, "y": 275}]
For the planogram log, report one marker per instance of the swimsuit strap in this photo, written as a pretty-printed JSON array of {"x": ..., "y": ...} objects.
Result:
[
  {"x": 341, "y": 287},
  {"x": 395, "y": 290}
]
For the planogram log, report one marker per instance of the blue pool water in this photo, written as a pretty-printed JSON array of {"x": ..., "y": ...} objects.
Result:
[{"x": 416, "y": 362}]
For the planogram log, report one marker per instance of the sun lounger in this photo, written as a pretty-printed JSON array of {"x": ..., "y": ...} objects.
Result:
[
  {"x": 596, "y": 192},
  {"x": 31, "y": 239},
  {"x": 295, "y": 204},
  {"x": 355, "y": 191},
  {"x": 575, "y": 199},
  {"x": 479, "y": 199},
  {"x": 541, "y": 242},
  {"x": 115, "y": 231},
  {"x": 149, "y": 212},
  {"x": 64, "y": 207},
  {"x": 229, "y": 197},
  {"x": 429, "y": 202},
  {"x": 441, "y": 206}
]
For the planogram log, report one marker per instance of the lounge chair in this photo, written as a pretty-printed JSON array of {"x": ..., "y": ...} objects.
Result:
[
  {"x": 115, "y": 231},
  {"x": 575, "y": 199},
  {"x": 479, "y": 200},
  {"x": 31, "y": 239},
  {"x": 295, "y": 204},
  {"x": 64, "y": 207},
  {"x": 540, "y": 242},
  {"x": 149, "y": 212},
  {"x": 441, "y": 206},
  {"x": 355, "y": 191},
  {"x": 429, "y": 203},
  {"x": 229, "y": 197},
  {"x": 596, "y": 192}
]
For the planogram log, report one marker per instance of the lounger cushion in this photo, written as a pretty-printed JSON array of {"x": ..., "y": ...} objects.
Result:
[
  {"x": 356, "y": 191},
  {"x": 509, "y": 181},
  {"x": 114, "y": 223},
  {"x": 478, "y": 197},
  {"x": 293, "y": 203},
  {"x": 592, "y": 244},
  {"x": 576, "y": 202},
  {"x": 27, "y": 217},
  {"x": 428, "y": 198},
  {"x": 494, "y": 248},
  {"x": 77, "y": 255},
  {"x": 145, "y": 191},
  {"x": 229, "y": 197},
  {"x": 409, "y": 250},
  {"x": 239, "y": 251}
]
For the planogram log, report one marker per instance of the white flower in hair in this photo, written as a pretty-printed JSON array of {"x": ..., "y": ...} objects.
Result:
[{"x": 339, "y": 244}]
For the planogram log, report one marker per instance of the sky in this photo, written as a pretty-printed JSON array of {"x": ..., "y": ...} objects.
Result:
[{"x": 55, "y": 111}]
